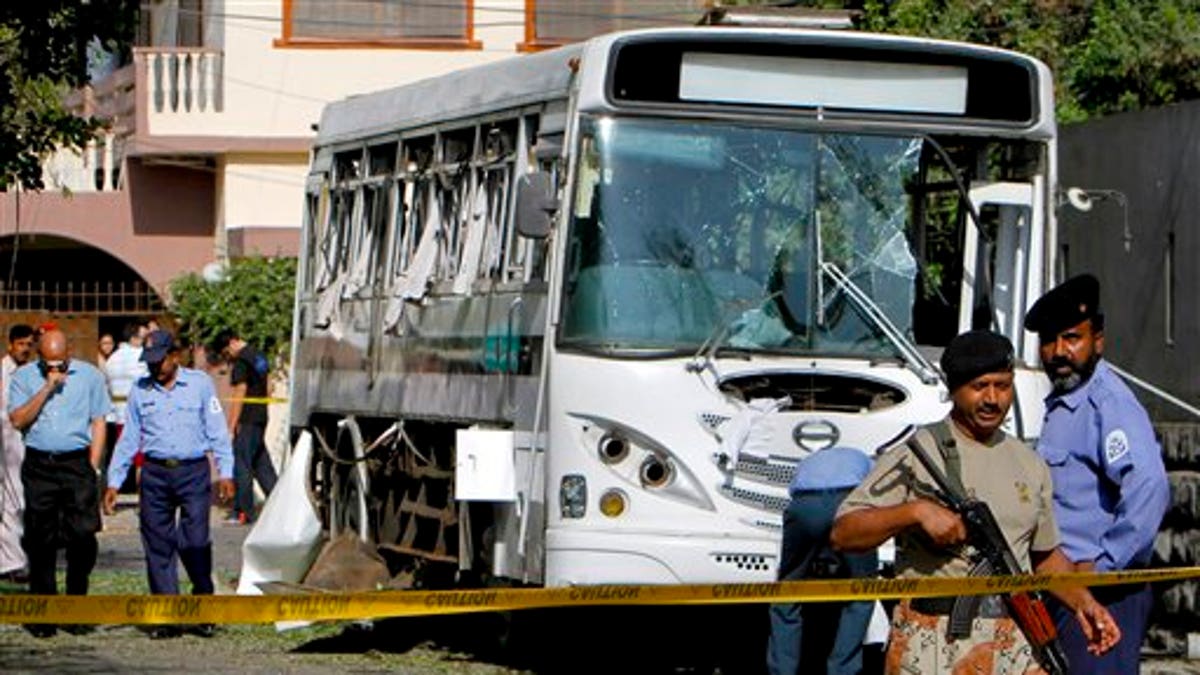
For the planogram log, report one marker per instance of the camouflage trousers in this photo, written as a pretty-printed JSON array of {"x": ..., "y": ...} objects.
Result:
[{"x": 918, "y": 645}]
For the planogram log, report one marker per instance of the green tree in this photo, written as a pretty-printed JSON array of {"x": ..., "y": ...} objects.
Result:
[
  {"x": 43, "y": 56},
  {"x": 1108, "y": 56},
  {"x": 254, "y": 298}
]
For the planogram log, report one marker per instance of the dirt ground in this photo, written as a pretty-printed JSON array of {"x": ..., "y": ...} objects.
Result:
[
  {"x": 470, "y": 644},
  {"x": 237, "y": 648}
]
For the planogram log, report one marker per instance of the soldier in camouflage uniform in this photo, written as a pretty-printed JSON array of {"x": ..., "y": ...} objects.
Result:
[{"x": 895, "y": 500}]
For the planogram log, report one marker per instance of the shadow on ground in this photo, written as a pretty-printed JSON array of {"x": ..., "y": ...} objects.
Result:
[
  {"x": 575, "y": 640},
  {"x": 70, "y": 658}
]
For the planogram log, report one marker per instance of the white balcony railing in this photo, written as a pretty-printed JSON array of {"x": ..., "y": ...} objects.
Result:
[
  {"x": 96, "y": 169},
  {"x": 182, "y": 80}
]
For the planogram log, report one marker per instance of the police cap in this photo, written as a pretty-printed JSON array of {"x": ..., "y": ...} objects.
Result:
[
  {"x": 1068, "y": 304},
  {"x": 975, "y": 353},
  {"x": 157, "y": 345}
]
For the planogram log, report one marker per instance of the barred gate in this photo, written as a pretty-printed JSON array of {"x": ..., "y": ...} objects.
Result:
[
  {"x": 77, "y": 307},
  {"x": 81, "y": 297}
]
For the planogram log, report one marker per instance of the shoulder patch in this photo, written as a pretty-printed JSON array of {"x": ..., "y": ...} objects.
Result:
[
  {"x": 214, "y": 405},
  {"x": 1116, "y": 445}
]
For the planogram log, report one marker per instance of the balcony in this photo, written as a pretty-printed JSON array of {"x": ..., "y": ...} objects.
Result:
[
  {"x": 180, "y": 91},
  {"x": 97, "y": 168},
  {"x": 184, "y": 81}
]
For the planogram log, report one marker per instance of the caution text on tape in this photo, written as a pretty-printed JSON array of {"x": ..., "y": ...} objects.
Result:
[{"x": 221, "y": 609}]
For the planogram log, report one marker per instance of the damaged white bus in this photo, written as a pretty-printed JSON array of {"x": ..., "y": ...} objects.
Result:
[{"x": 572, "y": 317}]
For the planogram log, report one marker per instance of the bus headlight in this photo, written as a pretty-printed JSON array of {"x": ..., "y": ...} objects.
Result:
[
  {"x": 612, "y": 503},
  {"x": 655, "y": 472},
  {"x": 641, "y": 461},
  {"x": 613, "y": 448},
  {"x": 572, "y": 496}
]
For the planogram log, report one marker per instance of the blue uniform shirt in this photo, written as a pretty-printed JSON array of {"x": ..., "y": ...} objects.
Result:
[
  {"x": 65, "y": 422},
  {"x": 831, "y": 468},
  {"x": 1110, "y": 487},
  {"x": 183, "y": 422}
]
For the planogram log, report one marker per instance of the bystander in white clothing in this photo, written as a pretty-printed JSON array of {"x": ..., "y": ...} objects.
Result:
[
  {"x": 12, "y": 494},
  {"x": 123, "y": 368}
]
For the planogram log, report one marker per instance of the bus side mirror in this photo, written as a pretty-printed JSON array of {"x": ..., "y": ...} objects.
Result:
[{"x": 536, "y": 205}]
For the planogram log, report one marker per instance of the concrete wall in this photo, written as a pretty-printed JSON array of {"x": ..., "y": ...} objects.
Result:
[
  {"x": 278, "y": 91},
  {"x": 263, "y": 190},
  {"x": 1151, "y": 158},
  {"x": 160, "y": 226}
]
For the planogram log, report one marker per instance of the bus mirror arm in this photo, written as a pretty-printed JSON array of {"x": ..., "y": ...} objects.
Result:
[{"x": 536, "y": 205}]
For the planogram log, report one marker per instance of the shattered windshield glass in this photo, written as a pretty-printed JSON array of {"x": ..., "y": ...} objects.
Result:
[{"x": 684, "y": 230}]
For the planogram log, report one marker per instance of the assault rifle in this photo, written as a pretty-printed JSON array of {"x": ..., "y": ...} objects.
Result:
[{"x": 1027, "y": 609}]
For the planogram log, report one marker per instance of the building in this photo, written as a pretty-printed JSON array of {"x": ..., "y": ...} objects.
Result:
[{"x": 211, "y": 126}]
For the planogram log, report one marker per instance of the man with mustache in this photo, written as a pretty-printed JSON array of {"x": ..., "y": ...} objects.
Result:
[
  {"x": 12, "y": 455},
  {"x": 1110, "y": 487},
  {"x": 898, "y": 499}
]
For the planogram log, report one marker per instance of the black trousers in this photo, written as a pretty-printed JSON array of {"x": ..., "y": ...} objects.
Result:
[
  {"x": 174, "y": 524},
  {"x": 62, "y": 510},
  {"x": 251, "y": 462}
]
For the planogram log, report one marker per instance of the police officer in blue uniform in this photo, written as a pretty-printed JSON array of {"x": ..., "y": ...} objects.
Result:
[
  {"x": 1110, "y": 487},
  {"x": 175, "y": 416}
]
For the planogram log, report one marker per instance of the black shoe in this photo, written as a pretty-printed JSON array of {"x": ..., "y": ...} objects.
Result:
[
  {"x": 41, "y": 630},
  {"x": 18, "y": 576},
  {"x": 204, "y": 630},
  {"x": 165, "y": 632},
  {"x": 79, "y": 628}
]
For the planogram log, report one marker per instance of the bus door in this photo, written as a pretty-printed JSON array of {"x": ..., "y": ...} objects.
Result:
[{"x": 1002, "y": 275}]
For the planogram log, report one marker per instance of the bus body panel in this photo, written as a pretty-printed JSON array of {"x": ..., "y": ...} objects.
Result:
[{"x": 539, "y": 342}]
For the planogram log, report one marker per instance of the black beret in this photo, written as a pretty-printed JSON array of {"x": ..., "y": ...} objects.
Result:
[
  {"x": 975, "y": 353},
  {"x": 1067, "y": 304}
]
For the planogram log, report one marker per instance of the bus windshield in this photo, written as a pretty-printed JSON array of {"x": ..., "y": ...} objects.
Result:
[{"x": 765, "y": 239}]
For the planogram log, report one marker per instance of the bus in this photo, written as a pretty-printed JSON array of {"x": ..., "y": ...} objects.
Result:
[{"x": 574, "y": 316}]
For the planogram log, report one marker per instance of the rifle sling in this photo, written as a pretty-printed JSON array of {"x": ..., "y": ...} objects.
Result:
[
  {"x": 948, "y": 449},
  {"x": 966, "y": 608}
]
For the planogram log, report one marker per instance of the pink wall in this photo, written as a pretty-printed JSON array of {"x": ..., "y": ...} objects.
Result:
[{"x": 161, "y": 225}]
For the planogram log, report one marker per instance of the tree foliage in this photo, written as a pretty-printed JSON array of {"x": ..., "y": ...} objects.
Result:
[
  {"x": 254, "y": 298},
  {"x": 43, "y": 56},
  {"x": 1108, "y": 56}
]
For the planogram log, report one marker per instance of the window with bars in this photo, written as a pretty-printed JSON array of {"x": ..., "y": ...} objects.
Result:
[
  {"x": 171, "y": 23},
  {"x": 401, "y": 22},
  {"x": 555, "y": 22}
]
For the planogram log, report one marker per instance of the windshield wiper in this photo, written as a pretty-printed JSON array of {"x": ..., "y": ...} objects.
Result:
[
  {"x": 703, "y": 358},
  {"x": 909, "y": 354}
]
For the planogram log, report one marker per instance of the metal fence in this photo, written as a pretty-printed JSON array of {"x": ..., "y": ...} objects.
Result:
[{"x": 93, "y": 297}]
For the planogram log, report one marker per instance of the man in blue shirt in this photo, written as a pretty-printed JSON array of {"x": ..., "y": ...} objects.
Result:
[
  {"x": 59, "y": 405},
  {"x": 176, "y": 418},
  {"x": 822, "y": 481},
  {"x": 1110, "y": 487}
]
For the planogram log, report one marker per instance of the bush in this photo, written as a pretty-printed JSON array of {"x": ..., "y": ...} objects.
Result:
[{"x": 254, "y": 298}]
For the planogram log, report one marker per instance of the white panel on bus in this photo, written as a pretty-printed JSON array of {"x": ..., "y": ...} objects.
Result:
[
  {"x": 484, "y": 467},
  {"x": 825, "y": 83}
]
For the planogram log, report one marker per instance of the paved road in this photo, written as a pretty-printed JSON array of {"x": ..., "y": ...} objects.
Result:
[{"x": 121, "y": 544}]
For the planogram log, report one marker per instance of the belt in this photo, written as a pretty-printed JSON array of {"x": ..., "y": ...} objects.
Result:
[
  {"x": 173, "y": 462},
  {"x": 943, "y": 606},
  {"x": 819, "y": 492},
  {"x": 60, "y": 456}
]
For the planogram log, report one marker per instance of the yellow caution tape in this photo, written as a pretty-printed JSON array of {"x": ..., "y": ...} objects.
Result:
[
  {"x": 221, "y": 609},
  {"x": 247, "y": 399}
]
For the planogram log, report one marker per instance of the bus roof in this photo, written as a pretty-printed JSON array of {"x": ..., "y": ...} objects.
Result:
[{"x": 508, "y": 83}]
